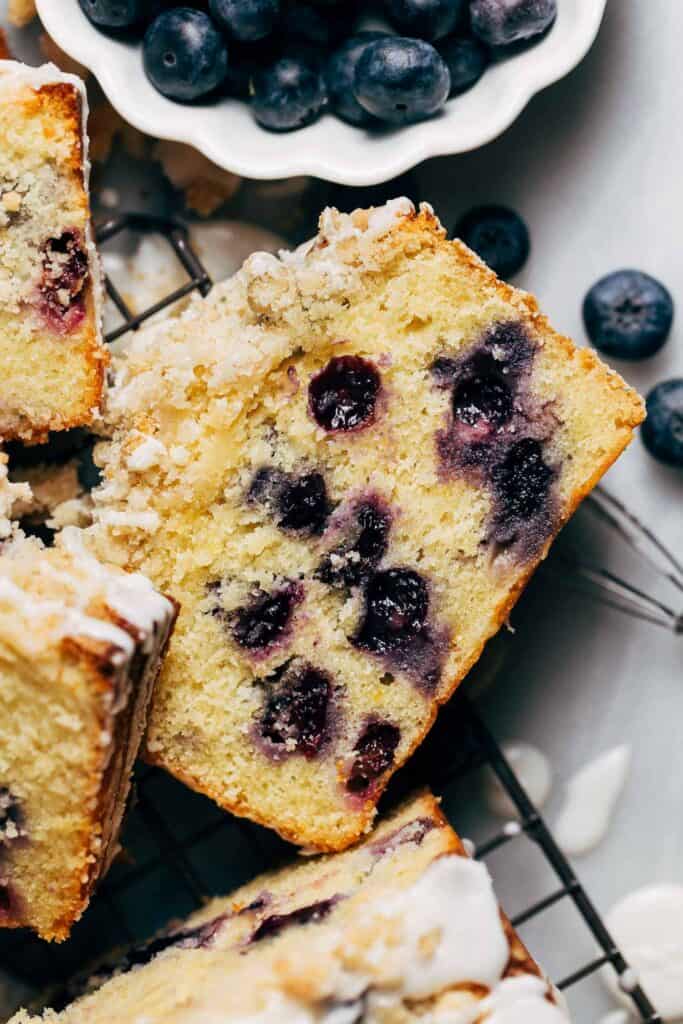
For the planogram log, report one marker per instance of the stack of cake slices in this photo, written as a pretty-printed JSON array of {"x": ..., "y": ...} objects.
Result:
[{"x": 341, "y": 469}]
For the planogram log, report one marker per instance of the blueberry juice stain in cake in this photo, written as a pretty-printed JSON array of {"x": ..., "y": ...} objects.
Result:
[
  {"x": 343, "y": 396},
  {"x": 298, "y": 503},
  {"x": 373, "y": 755},
  {"x": 366, "y": 538},
  {"x": 265, "y": 619},
  {"x": 396, "y": 626},
  {"x": 297, "y": 716},
  {"x": 311, "y": 914},
  {"x": 64, "y": 276},
  {"x": 12, "y": 831},
  {"x": 496, "y": 436}
]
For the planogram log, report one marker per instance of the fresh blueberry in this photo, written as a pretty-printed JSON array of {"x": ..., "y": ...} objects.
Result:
[
  {"x": 355, "y": 559},
  {"x": 498, "y": 235},
  {"x": 265, "y": 619},
  {"x": 662, "y": 431},
  {"x": 502, "y": 23},
  {"x": 311, "y": 914},
  {"x": 482, "y": 397},
  {"x": 295, "y": 718},
  {"x": 401, "y": 80},
  {"x": 303, "y": 504},
  {"x": 425, "y": 19},
  {"x": 521, "y": 482},
  {"x": 344, "y": 394},
  {"x": 184, "y": 54},
  {"x": 246, "y": 20},
  {"x": 119, "y": 14},
  {"x": 287, "y": 95},
  {"x": 323, "y": 28},
  {"x": 339, "y": 75},
  {"x": 466, "y": 59},
  {"x": 374, "y": 751},
  {"x": 396, "y": 606},
  {"x": 628, "y": 314}
]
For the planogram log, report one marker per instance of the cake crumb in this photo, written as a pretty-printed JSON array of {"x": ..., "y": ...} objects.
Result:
[
  {"x": 21, "y": 12},
  {"x": 205, "y": 186}
]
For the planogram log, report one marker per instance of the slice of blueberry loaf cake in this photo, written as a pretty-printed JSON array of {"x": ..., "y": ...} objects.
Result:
[
  {"x": 345, "y": 464},
  {"x": 80, "y": 646},
  {"x": 402, "y": 928},
  {"x": 51, "y": 350}
]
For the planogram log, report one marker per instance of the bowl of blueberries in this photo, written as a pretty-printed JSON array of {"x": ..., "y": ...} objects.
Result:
[{"x": 350, "y": 91}]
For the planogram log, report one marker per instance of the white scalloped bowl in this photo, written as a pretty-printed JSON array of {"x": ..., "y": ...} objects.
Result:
[{"x": 227, "y": 134}]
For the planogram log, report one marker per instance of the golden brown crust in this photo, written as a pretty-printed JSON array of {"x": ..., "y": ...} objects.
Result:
[{"x": 92, "y": 657}]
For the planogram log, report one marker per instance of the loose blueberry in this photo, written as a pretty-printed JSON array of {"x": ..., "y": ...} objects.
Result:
[
  {"x": 522, "y": 481},
  {"x": 466, "y": 59},
  {"x": 374, "y": 751},
  {"x": 339, "y": 75},
  {"x": 246, "y": 20},
  {"x": 64, "y": 275},
  {"x": 351, "y": 563},
  {"x": 303, "y": 504},
  {"x": 119, "y": 14},
  {"x": 295, "y": 718},
  {"x": 185, "y": 55},
  {"x": 401, "y": 80},
  {"x": 274, "y": 924},
  {"x": 287, "y": 95},
  {"x": 662, "y": 431},
  {"x": 498, "y": 235},
  {"x": 502, "y": 23},
  {"x": 412, "y": 832},
  {"x": 426, "y": 19},
  {"x": 482, "y": 397},
  {"x": 628, "y": 314},
  {"x": 343, "y": 396},
  {"x": 265, "y": 619},
  {"x": 396, "y": 606},
  {"x": 321, "y": 28}
]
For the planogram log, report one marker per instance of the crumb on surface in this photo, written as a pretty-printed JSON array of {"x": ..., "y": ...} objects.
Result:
[
  {"x": 21, "y": 12},
  {"x": 205, "y": 186}
]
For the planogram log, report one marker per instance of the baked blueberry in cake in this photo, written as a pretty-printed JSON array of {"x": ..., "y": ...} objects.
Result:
[
  {"x": 50, "y": 343},
  {"x": 402, "y": 928},
  {"x": 344, "y": 464},
  {"x": 80, "y": 647}
]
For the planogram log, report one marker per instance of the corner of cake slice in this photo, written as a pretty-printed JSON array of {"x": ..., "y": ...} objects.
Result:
[
  {"x": 345, "y": 464},
  {"x": 80, "y": 647},
  {"x": 51, "y": 348},
  {"x": 402, "y": 928}
]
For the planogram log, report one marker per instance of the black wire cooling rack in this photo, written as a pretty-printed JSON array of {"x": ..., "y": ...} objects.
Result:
[{"x": 179, "y": 849}]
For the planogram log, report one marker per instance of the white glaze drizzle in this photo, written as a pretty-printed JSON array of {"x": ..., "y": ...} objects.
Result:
[
  {"x": 591, "y": 798},
  {"x": 129, "y": 596},
  {"x": 647, "y": 925},
  {"x": 59, "y": 620},
  {"x": 615, "y": 1017},
  {"x": 453, "y": 904}
]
